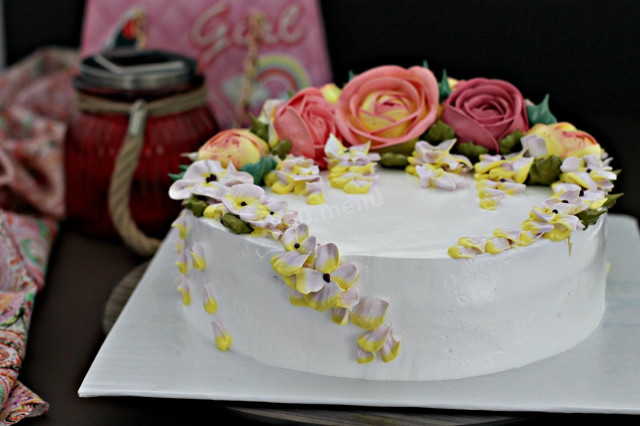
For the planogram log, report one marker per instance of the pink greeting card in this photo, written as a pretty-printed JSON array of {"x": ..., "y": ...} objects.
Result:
[{"x": 292, "y": 52}]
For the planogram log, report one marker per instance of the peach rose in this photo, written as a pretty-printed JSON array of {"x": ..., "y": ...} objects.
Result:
[
  {"x": 564, "y": 140},
  {"x": 306, "y": 120},
  {"x": 484, "y": 111},
  {"x": 388, "y": 105},
  {"x": 238, "y": 146}
]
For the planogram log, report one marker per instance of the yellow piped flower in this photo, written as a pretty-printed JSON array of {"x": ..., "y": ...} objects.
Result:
[
  {"x": 214, "y": 211},
  {"x": 370, "y": 342},
  {"x": 197, "y": 253},
  {"x": 183, "y": 288},
  {"x": 392, "y": 352},
  {"x": 364, "y": 357},
  {"x": 223, "y": 342},
  {"x": 298, "y": 175},
  {"x": 497, "y": 176},
  {"x": 369, "y": 313},
  {"x": 297, "y": 299},
  {"x": 222, "y": 338},
  {"x": 350, "y": 169},
  {"x": 181, "y": 225},
  {"x": 209, "y": 302},
  {"x": 182, "y": 267},
  {"x": 210, "y": 305},
  {"x": 186, "y": 297}
]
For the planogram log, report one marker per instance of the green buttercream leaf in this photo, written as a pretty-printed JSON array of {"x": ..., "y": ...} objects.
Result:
[
  {"x": 439, "y": 132},
  {"x": 260, "y": 169},
  {"x": 259, "y": 128},
  {"x": 290, "y": 94},
  {"x": 443, "y": 86},
  {"x": 590, "y": 216},
  {"x": 282, "y": 148},
  {"x": 425, "y": 64},
  {"x": 511, "y": 143},
  {"x": 545, "y": 171},
  {"x": 540, "y": 113},
  {"x": 196, "y": 205},
  {"x": 611, "y": 200},
  {"x": 393, "y": 160},
  {"x": 470, "y": 150},
  {"x": 351, "y": 75},
  {"x": 177, "y": 176},
  {"x": 235, "y": 224}
]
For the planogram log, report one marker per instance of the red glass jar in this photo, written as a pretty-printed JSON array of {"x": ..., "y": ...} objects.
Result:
[{"x": 94, "y": 138}]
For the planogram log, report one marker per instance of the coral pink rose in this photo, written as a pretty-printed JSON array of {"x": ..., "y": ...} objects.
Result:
[
  {"x": 484, "y": 111},
  {"x": 306, "y": 121},
  {"x": 388, "y": 105},
  {"x": 238, "y": 146}
]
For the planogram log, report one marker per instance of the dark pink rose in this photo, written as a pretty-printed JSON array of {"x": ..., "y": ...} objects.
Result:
[
  {"x": 306, "y": 121},
  {"x": 484, "y": 111}
]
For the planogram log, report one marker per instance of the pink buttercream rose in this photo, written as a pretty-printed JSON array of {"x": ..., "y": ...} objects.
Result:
[
  {"x": 484, "y": 111},
  {"x": 238, "y": 146},
  {"x": 388, "y": 105},
  {"x": 307, "y": 120}
]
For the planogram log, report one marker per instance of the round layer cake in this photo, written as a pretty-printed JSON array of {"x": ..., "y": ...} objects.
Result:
[{"x": 455, "y": 318}]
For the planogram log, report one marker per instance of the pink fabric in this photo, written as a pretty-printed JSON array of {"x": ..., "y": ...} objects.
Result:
[
  {"x": 292, "y": 54},
  {"x": 36, "y": 98}
]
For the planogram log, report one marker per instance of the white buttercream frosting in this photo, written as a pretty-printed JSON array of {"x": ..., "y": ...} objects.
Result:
[{"x": 455, "y": 317}]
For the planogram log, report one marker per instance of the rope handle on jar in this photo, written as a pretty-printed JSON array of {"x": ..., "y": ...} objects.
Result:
[
  {"x": 128, "y": 156},
  {"x": 120, "y": 185}
]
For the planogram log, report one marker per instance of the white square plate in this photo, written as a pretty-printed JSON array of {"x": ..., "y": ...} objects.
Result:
[{"x": 152, "y": 351}]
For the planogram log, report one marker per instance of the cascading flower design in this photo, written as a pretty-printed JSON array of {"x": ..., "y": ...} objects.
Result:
[
  {"x": 590, "y": 172},
  {"x": 350, "y": 169},
  {"x": 499, "y": 175},
  {"x": 437, "y": 167},
  {"x": 557, "y": 217},
  {"x": 318, "y": 279}
]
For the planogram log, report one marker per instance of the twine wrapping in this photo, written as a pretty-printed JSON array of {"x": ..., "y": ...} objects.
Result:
[{"x": 127, "y": 159}]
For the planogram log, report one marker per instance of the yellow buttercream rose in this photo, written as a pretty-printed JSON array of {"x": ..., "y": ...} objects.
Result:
[
  {"x": 238, "y": 146},
  {"x": 565, "y": 140}
]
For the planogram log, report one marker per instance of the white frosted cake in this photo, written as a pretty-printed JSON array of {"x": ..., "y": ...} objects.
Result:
[{"x": 442, "y": 268}]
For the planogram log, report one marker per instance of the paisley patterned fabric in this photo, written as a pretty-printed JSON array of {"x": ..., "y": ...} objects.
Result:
[
  {"x": 19, "y": 270},
  {"x": 36, "y": 99}
]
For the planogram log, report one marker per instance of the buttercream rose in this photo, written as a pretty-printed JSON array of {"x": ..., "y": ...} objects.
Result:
[
  {"x": 484, "y": 111},
  {"x": 238, "y": 146},
  {"x": 564, "y": 140},
  {"x": 306, "y": 120},
  {"x": 388, "y": 105}
]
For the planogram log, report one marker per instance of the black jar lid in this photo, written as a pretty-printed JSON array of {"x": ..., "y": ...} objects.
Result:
[{"x": 137, "y": 70}]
